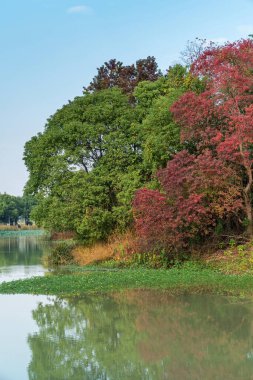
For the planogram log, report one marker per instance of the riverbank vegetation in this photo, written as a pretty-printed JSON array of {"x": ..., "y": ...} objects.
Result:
[
  {"x": 190, "y": 278},
  {"x": 166, "y": 156}
]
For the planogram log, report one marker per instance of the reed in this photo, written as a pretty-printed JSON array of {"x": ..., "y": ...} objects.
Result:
[
  {"x": 65, "y": 235},
  {"x": 117, "y": 247}
]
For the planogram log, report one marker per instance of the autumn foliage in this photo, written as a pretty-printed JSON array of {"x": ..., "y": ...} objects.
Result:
[
  {"x": 98, "y": 149},
  {"x": 214, "y": 185},
  {"x": 196, "y": 193}
]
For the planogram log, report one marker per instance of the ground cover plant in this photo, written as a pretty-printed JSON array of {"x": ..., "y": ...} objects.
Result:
[{"x": 191, "y": 278}]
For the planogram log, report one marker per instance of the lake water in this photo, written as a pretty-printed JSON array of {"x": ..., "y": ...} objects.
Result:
[
  {"x": 21, "y": 254},
  {"x": 133, "y": 335}
]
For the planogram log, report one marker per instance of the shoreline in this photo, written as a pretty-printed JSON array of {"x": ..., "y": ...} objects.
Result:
[
  {"x": 22, "y": 232},
  {"x": 188, "y": 280}
]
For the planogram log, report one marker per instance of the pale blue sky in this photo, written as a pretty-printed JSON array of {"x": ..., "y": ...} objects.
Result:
[{"x": 50, "y": 49}]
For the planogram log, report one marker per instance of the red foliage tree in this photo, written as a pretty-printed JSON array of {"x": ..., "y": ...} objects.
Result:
[
  {"x": 197, "y": 192},
  {"x": 221, "y": 118},
  {"x": 114, "y": 73},
  {"x": 154, "y": 219}
]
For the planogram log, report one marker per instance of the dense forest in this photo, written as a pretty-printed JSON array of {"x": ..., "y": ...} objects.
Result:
[{"x": 167, "y": 155}]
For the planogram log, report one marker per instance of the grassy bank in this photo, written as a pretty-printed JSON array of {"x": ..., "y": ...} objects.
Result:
[{"x": 191, "y": 278}]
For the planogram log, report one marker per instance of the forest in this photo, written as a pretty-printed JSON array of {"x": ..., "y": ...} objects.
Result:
[{"x": 167, "y": 156}]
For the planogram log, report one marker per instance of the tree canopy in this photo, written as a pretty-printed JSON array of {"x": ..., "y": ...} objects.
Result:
[
  {"x": 115, "y": 74},
  {"x": 167, "y": 154},
  {"x": 213, "y": 186},
  {"x": 12, "y": 208},
  {"x": 86, "y": 165}
]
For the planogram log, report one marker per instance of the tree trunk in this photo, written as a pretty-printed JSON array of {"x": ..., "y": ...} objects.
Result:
[
  {"x": 248, "y": 209},
  {"x": 246, "y": 193}
]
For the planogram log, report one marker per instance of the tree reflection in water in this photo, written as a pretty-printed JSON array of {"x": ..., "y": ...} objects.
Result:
[
  {"x": 23, "y": 250},
  {"x": 142, "y": 335}
]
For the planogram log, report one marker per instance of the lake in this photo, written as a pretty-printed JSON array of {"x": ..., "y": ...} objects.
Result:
[
  {"x": 131, "y": 335},
  {"x": 21, "y": 254}
]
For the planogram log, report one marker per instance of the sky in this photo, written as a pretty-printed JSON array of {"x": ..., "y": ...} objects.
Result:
[{"x": 50, "y": 50}]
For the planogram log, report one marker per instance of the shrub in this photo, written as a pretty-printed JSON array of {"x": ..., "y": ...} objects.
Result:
[
  {"x": 198, "y": 192},
  {"x": 61, "y": 254}
]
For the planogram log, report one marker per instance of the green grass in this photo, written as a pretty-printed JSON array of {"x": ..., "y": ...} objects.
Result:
[
  {"x": 191, "y": 278},
  {"x": 234, "y": 260}
]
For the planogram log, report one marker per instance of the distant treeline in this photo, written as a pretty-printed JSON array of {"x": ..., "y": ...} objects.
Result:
[
  {"x": 168, "y": 155},
  {"x": 13, "y": 208}
]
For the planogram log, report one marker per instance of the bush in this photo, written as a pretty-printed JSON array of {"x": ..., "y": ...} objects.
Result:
[
  {"x": 144, "y": 260},
  {"x": 197, "y": 193},
  {"x": 61, "y": 254}
]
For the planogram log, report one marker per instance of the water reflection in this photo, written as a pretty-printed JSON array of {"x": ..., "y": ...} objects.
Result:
[
  {"x": 16, "y": 324},
  {"x": 21, "y": 256},
  {"x": 142, "y": 335}
]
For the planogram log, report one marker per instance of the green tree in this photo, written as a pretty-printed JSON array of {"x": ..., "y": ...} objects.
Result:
[
  {"x": 12, "y": 208},
  {"x": 79, "y": 165},
  {"x": 159, "y": 135},
  {"x": 98, "y": 149}
]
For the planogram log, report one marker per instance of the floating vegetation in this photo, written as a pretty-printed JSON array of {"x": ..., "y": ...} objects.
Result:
[{"x": 191, "y": 278}]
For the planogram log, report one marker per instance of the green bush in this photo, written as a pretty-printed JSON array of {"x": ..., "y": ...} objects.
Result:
[
  {"x": 136, "y": 260},
  {"x": 61, "y": 254}
]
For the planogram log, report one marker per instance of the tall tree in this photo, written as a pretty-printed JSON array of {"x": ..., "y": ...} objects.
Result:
[
  {"x": 221, "y": 117},
  {"x": 194, "y": 49},
  {"x": 80, "y": 165},
  {"x": 96, "y": 151}
]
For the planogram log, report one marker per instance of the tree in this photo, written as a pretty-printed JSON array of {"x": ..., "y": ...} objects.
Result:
[
  {"x": 115, "y": 74},
  {"x": 159, "y": 135},
  {"x": 98, "y": 149},
  {"x": 197, "y": 193},
  {"x": 221, "y": 117},
  {"x": 194, "y": 49},
  {"x": 12, "y": 208},
  {"x": 79, "y": 164}
]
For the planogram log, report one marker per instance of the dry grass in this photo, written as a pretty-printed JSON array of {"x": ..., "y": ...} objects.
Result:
[
  {"x": 62, "y": 235},
  {"x": 117, "y": 247},
  {"x": 4, "y": 227}
]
